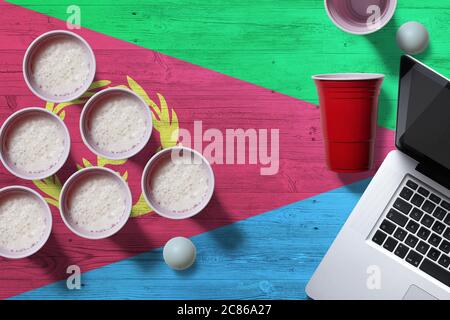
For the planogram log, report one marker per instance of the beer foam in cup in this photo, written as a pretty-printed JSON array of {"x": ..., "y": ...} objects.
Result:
[
  {"x": 95, "y": 202},
  {"x": 59, "y": 66},
  {"x": 116, "y": 123},
  {"x": 178, "y": 186},
  {"x": 25, "y": 222},
  {"x": 35, "y": 143}
]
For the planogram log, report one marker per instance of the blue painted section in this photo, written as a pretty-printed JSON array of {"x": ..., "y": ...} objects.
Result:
[{"x": 269, "y": 256}]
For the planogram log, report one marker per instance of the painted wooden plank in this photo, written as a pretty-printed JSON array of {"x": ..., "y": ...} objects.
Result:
[
  {"x": 270, "y": 256},
  {"x": 278, "y": 45},
  {"x": 194, "y": 93}
]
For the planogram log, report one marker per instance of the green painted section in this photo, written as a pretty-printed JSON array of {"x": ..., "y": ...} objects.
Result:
[{"x": 277, "y": 44}]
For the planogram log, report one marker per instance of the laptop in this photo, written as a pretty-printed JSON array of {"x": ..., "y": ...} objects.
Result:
[{"x": 396, "y": 242}]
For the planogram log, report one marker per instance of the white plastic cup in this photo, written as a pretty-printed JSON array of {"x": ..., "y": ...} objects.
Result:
[
  {"x": 28, "y": 58},
  {"x": 47, "y": 218},
  {"x": 65, "y": 196},
  {"x": 147, "y": 175},
  {"x": 10, "y": 122},
  {"x": 85, "y": 123}
]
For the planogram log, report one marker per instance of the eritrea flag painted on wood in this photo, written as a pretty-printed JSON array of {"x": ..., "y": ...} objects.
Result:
[
  {"x": 272, "y": 43},
  {"x": 178, "y": 93}
]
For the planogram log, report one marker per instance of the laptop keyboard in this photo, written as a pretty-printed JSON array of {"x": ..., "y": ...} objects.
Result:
[{"x": 416, "y": 228}]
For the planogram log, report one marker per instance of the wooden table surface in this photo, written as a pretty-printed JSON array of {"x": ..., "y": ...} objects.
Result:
[{"x": 262, "y": 237}]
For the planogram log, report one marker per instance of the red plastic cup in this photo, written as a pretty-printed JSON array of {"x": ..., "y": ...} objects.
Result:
[{"x": 349, "y": 108}]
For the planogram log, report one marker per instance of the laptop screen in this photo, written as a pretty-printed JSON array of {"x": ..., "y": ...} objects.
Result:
[{"x": 423, "y": 119}]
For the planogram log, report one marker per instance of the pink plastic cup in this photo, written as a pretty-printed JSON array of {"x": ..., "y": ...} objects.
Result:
[
  {"x": 153, "y": 163},
  {"x": 360, "y": 16}
]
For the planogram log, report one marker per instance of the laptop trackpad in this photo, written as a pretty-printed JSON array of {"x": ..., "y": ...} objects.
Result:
[{"x": 415, "y": 293}]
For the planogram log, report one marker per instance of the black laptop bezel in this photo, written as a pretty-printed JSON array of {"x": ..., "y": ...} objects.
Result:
[{"x": 428, "y": 166}]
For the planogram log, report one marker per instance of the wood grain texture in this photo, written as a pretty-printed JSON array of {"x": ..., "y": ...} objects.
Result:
[
  {"x": 269, "y": 256},
  {"x": 195, "y": 93},
  {"x": 275, "y": 44}
]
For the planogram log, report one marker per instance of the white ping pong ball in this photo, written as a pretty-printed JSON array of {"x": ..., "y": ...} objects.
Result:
[
  {"x": 179, "y": 253},
  {"x": 412, "y": 37}
]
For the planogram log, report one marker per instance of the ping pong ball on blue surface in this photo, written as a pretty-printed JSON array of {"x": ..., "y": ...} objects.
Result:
[
  {"x": 179, "y": 253},
  {"x": 412, "y": 37}
]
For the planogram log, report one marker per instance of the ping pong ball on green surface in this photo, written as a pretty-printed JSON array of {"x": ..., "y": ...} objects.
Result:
[
  {"x": 412, "y": 37},
  {"x": 179, "y": 253}
]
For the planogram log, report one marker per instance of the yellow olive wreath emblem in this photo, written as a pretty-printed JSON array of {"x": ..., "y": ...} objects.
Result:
[{"x": 165, "y": 121}]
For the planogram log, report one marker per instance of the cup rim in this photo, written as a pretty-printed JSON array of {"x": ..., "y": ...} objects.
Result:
[
  {"x": 152, "y": 162},
  {"x": 83, "y": 123},
  {"x": 388, "y": 16},
  {"x": 48, "y": 215},
  {"x": 91, "y": 235},
  {"x": 44, "y": 174},
  {"x": 348, "y": 76},
  {"x": 28, "y": 55}
]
